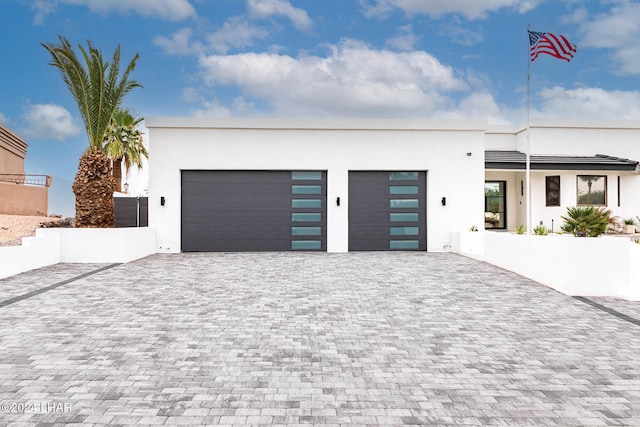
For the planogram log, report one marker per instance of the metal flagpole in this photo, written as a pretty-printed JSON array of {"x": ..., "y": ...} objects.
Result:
[{"x": 528, "y": 154}]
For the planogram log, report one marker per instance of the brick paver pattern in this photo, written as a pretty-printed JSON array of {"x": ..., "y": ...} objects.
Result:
[{"x": 374, "y": 339}]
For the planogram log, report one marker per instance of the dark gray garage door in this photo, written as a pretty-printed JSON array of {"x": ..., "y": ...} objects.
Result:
[
  {"x": 387, "y": 211},
  {"x": 239, "y": 211}
]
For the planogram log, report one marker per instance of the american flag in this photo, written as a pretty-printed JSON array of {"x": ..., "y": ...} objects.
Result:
[{"x": 555, "y": 45}]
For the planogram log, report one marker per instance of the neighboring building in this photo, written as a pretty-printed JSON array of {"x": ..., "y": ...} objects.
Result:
[
  {"x": 349, "y": 185},
  {"x": 20, "y": 194},
  {"x": 573, "y": 163}
]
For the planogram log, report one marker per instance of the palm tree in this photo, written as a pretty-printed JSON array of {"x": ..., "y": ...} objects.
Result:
[
  {"x": 98, "y": 91},
  {"x": 124, "y": 143}
]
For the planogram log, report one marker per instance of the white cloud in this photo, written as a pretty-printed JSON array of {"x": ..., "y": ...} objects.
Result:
[
  {"x": 179, "y": 43},
  {"x": 235, "y": 33},
  {"x": 478, "y": 105},
  {"x": 4, "y": 119},
  {"x": 49, "y": 121},
  {"x": 404, "y": 39},
  {"x": 213, "y": 108},
  {"x": 42, "y": 8},
  {"x": 172, "y": 10},
  {"x": 471, "y": 9},
  {"x": 619, "y": 31},
  {"x": 459, "y": 33},
  {"x": 353, "y": 80},
  {"x": 269, "y": 8},
  {"x": 589, "y": 103}
]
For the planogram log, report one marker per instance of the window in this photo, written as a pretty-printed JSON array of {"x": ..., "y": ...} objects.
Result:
[
  {"x": 306, "y": 189},
  {"x": 495, "y": 204},
  {"x": 403, "y": 189},
  {"x": 592, "y": 190},
  {"x": 404, "y": 203},
  {"x": 403, "y": 176},
  {"x": 552, "y": 190},
  {"x": 306, "y": 176}
]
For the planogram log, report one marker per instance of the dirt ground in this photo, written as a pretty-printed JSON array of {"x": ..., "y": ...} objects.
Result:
[{"x": 14, "y": 227}]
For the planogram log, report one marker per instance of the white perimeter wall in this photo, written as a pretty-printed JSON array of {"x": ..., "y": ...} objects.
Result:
[
  {"x": 601, "y": 266},
  {"x": 337, "y": 146},
  {"x": 82, "y": 245}
]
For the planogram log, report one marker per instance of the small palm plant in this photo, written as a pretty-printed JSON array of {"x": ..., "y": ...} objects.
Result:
[
  {"x": 586, "y": 221},
  {"x": 124, "y": 144}
]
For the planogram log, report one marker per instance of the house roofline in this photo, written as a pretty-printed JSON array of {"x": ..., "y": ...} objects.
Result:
[{"x": 316, "y": 124}]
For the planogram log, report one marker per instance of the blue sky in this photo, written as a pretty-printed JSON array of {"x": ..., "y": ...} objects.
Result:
[{"x": 312, "y": 58}]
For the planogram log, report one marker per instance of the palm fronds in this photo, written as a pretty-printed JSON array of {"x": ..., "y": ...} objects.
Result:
[{"x": 95, "y": 85}]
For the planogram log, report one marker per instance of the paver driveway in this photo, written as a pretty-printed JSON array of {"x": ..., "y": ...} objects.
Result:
[{"x": 333, "y": 339}]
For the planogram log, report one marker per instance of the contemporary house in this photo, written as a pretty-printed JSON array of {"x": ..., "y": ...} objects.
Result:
[
  {"x": 360, "y": 185},
  {"x": 573, "y": 163},
  {"x": 20, "y": 194}
]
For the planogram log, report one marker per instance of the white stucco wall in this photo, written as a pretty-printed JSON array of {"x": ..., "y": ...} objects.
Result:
[
  {"x": 337, "y": 146},
  {"x": 587, "y": 266}
]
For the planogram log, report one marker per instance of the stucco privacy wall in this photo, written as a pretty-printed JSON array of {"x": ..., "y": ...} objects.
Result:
[
  {"x": 23, "y": 199},
  {"x": 337, "y": 146}
]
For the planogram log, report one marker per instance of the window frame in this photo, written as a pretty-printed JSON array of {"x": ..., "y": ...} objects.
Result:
[
  {"x": 605, "y": 182},
  {"x": 504, "y": 203},
  {"x": 549, "y": 202}
]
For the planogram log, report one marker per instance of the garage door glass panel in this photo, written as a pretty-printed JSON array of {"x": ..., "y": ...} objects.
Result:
[
  {"x": 306, "y": 176},
  {"x": 306, "y": 203},
  {"x": 306, "y": 231},
  {"x": 403, "y": 176},
  {"x": 403, "y": 189},
  {"x": 306, "y": 189},
  {"x": 306, "y": 217},
  {"x": 403, "y": 217},
  {"x": 404, "y": 203},
  {"x": 404, "y": 244},
  {"x": 404, "y": 231},
  {"x": 306, "y": 244}
]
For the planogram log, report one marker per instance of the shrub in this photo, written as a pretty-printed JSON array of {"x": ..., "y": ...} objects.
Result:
[
  {"x": 629, "y": 221},
  {"x": 586, "y": 221},
  {"x": 541, "y": 230},
  {"x": 520, "y": 229}
]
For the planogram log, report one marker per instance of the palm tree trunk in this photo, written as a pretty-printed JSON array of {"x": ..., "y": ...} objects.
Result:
[
  {"x": 117, "y": 174},
  {"x": 93, "y": 188}
]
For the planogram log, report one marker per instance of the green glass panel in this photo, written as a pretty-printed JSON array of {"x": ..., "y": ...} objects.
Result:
[
  {"x": 403, "y": 176},
  {"x": 306, "y": 176},
  {"x": 306, "y": 203},
  {"x": 404, "y": 244},
  {"x": 404, "y": 231},
  {"x": 404, "y": 203},
  {"x": 403, "y": 217},
  {"x": 306, "y": 244},
  {"x": 306, "y": 189},
  {"x": 306, "y": 217},
  {"x": 306, "y": 231},
  {"x": 403, "y": 189}
]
